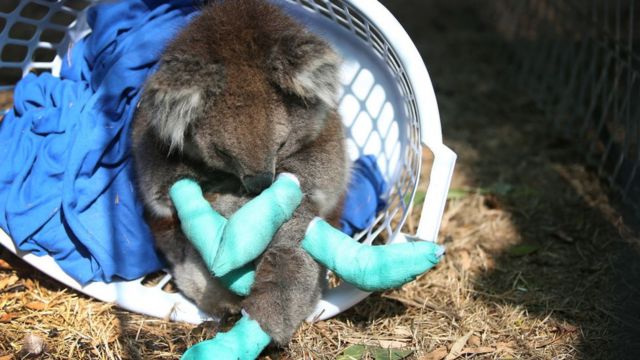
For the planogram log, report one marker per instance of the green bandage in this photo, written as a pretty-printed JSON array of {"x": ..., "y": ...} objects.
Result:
[
  {"x": 228, "y": 248},
  {"x": 245, "y": 341},
  {"x": 251, "y": 229},
  {"x": 239, "y": 280},
  {"x": 370, "y": 268},
  {"x": 204, "y": 227}
]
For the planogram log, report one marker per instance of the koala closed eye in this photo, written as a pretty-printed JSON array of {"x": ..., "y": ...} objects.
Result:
[{"x": 224, "y": 155}]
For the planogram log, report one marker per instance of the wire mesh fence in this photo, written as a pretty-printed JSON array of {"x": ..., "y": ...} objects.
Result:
[{"x": 580, "y": 61}]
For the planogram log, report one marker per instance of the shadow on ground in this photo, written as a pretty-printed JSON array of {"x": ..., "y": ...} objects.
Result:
[{"x": 571, "y": 259}]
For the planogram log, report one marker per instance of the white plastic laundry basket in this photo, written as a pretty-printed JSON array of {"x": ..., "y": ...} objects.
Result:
[{"x": 387, "y": 104}]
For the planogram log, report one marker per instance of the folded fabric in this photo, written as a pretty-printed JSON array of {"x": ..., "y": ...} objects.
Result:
[
  {"x": 66, "y": 178},
  {"x": 365, "y": 196}
]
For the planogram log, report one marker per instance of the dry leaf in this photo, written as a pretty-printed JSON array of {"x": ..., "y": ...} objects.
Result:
[
  {"x": 7, "y": 317},
  {"x": 36, "y": 305},
  {"x": 474, "y": 341},
  {"x": 6, "y": 282},
  {"x": 565, "y": 328},
  {"x": 6, "y": 357},
  {"x": 115, "y": 336},
  {"x": 29, "y": 284},
  {"x": 5, "y": 266},
  {"x": 506, "y": 347},
  {"x": 456, "y": 348},
  {"x": 437, "y": 354}
]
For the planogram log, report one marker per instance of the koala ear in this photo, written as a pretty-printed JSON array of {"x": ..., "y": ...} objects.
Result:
[
  {"x": 174, "y": 97},
  {"x": 303, "y": 64}
]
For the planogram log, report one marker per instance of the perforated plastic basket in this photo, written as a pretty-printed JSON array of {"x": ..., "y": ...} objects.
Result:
[{"x": 387, "y": 104}]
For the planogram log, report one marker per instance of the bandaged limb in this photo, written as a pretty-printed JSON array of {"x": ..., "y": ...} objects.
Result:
[
  {"x": 245, "y": 341},
  {"x": 370, "y": 268},
  {"x": 228, "y": 248}
]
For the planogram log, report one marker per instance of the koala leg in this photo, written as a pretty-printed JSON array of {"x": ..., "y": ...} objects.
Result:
[
  {"x": 288, "y": 282},
  {"x": 192, "y": 277}
]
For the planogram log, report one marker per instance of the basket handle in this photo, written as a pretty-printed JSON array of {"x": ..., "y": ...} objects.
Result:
[{"x": 436, "y": 197}]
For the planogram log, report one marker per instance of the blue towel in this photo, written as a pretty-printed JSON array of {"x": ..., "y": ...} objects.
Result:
[
  {"x": 66, "y": 185},
  {"x": 365, "y": 196}
]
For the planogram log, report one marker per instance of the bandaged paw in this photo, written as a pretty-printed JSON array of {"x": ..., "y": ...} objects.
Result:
[
  {"x": 370, "y": 268},
  {"x": 245, "y": 341}
]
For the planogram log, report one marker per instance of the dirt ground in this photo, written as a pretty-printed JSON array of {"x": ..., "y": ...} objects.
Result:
[{"x": 539, "y": 263}]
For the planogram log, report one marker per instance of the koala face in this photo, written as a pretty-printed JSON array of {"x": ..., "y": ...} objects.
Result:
[{"x": 241, "y": 88}]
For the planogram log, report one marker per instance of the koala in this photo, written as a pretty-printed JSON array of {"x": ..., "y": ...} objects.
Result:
[{"x": 241, "y": 94}]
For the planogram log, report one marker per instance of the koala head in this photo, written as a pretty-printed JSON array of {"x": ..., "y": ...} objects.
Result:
[{"x": 242, "y": 87}]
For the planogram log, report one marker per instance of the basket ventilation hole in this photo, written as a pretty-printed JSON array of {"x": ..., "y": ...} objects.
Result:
[
  {"x": 38, "y": 71},
  {"x": 153, "y": 279},
  {"x": 7, "y": 6},
  {"x": 14, "y": 53},
  {"x": 3, "y": 22},
  {"x": 62, "y": 18},
  {"x": 51, "y": 36},
  {"x": 77, "y": 4},
  {"x": 320, "y": 3},
  {"x": 44, "y": 55},
  {"x": 22, "y": 31},
  {"x": 34, "y": 11},
  {"x": 170, "y": 287},
  {"x": 10, "y": 76}
]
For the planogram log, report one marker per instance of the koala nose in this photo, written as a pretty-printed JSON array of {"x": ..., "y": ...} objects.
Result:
[{"x": 256, "y": 183}]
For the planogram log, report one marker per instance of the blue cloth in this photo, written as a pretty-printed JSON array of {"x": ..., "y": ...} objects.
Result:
[
  {"x": 365, "y": 196},
  {"x": 66, "y": 185},
  {"x": 66, "y": 177}
]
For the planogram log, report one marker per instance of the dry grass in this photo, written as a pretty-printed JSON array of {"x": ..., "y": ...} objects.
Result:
[{"x": 539, "y": 265}]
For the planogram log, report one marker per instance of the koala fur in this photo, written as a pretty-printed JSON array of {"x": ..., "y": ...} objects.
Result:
[{"x": 241, "y": 94}]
